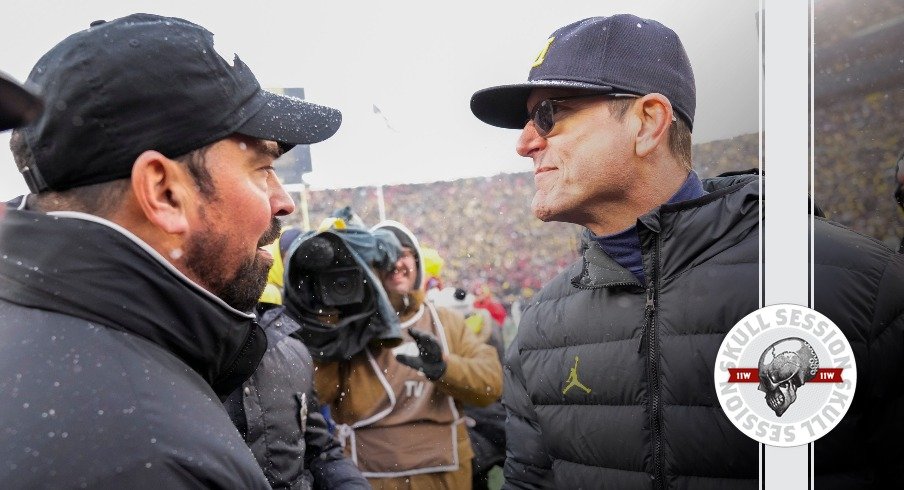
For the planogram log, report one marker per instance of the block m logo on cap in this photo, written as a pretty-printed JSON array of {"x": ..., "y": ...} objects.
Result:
[{"x": 541, "y": 56}]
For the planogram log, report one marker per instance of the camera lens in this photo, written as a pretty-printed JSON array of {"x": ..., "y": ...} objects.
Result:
[{"x": 341, "y": 286}]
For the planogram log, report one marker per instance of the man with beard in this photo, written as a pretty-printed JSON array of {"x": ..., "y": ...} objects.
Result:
[
  {"x": 399, "y": 409},
  {"x": 130, "y": 272}
]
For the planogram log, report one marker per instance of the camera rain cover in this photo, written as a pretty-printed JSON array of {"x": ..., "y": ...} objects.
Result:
[{"x": 331, "y": 291}]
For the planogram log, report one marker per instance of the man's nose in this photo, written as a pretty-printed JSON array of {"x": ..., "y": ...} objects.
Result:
[
  {"x": 529, "y": 141},
  {"x": 281, "y": 202}
]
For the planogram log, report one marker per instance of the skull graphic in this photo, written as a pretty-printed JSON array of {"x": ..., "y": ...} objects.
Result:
[{"x": 784, "y": 367}]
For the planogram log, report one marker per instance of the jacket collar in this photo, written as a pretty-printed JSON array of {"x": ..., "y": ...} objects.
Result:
[
  {"x": 703, "y": 226},
  {"x": 84, "y": 266},
  {"x": 600, "y": 270}
]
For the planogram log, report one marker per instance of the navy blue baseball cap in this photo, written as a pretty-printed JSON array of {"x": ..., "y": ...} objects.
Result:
[
  {"x": 618, "y": 54},
  {"x": 147, "y": 82}
]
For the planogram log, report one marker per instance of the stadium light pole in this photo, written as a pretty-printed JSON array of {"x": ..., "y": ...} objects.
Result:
[
  {"x": 303, "y": 190},
  {"x": 381, "y": 203}
]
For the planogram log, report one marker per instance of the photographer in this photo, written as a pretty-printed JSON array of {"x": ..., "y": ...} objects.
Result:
[
  {"x": 333, "y": 292},
  {"x": 399, "y": 408}
]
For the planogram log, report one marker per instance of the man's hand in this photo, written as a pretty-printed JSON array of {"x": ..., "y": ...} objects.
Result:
[{"x": 430, "y": 355}]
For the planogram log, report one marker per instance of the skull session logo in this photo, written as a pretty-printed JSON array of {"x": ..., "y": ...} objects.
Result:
[
  {"x": 780, "y": 375},
  {"x": 785, "y": 375}
]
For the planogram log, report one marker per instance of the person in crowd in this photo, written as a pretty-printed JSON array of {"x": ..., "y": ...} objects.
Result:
[
  {"x": 130, "y": 273},
  {"x": 276, "y": 410},
  {"x": 597, "y": 381},
  {"x": 433, "y": 267},
  {"x": 398, "y": 409},
  {"x": 485, "y": 300}
]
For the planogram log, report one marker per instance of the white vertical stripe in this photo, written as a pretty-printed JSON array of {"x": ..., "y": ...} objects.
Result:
[{"x": 787, "y": 138}]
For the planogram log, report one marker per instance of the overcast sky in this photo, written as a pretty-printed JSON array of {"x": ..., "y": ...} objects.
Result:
[{"x": 419, "y": 62}]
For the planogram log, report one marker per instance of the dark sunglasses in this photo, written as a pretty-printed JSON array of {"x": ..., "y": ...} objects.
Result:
[{"x": 543, "y": 114}]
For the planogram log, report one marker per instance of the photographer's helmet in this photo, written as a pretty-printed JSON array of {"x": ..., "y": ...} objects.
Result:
[{"x": 407, "y": 239}]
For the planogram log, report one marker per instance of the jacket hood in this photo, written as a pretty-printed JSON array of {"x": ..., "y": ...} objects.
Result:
[
  {"x": 691, "y": 231},
  {"x": 407, "y": 239},
  {"x": 87, "y": 267}
]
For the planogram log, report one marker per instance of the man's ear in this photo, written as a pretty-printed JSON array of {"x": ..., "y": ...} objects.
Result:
[
  {"x": 656, "y": 116},
  {"x": 161, "y": 187}
]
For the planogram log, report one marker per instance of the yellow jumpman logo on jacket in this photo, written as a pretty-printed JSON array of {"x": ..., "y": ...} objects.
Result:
[{"x": 573, "y": 379}]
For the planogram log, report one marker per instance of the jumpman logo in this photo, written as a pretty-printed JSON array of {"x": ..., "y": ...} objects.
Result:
[{"x": 573, "y": 379}]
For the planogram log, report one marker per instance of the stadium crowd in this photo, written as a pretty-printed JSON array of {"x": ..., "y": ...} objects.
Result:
[
  {"x": 858, "y": 113},
  {"x": 857, "y": 141},
  {"x": 483, "y": 227}
]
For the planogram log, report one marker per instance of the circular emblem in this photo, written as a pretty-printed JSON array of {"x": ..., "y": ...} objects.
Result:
[{"x": 785, "y": 375}]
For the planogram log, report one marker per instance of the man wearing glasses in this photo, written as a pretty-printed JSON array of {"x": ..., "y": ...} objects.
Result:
[{"x": 610, "y": 379}]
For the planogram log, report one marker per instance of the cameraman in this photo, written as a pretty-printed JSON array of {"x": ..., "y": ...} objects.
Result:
[{"x": 399, "y": 409}]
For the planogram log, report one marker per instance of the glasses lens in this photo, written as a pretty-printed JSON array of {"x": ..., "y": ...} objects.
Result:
[{"x": 543, "y": 117}]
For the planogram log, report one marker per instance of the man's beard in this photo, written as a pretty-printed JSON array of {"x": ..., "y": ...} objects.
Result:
[{"x": 241, "y": 289}]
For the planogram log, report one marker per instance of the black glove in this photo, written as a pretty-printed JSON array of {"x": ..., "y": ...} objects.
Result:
[{"x": 430, "y": 356}]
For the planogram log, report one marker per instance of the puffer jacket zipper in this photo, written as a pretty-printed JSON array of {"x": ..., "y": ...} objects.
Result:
[{"x": 651, "y": 340}]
